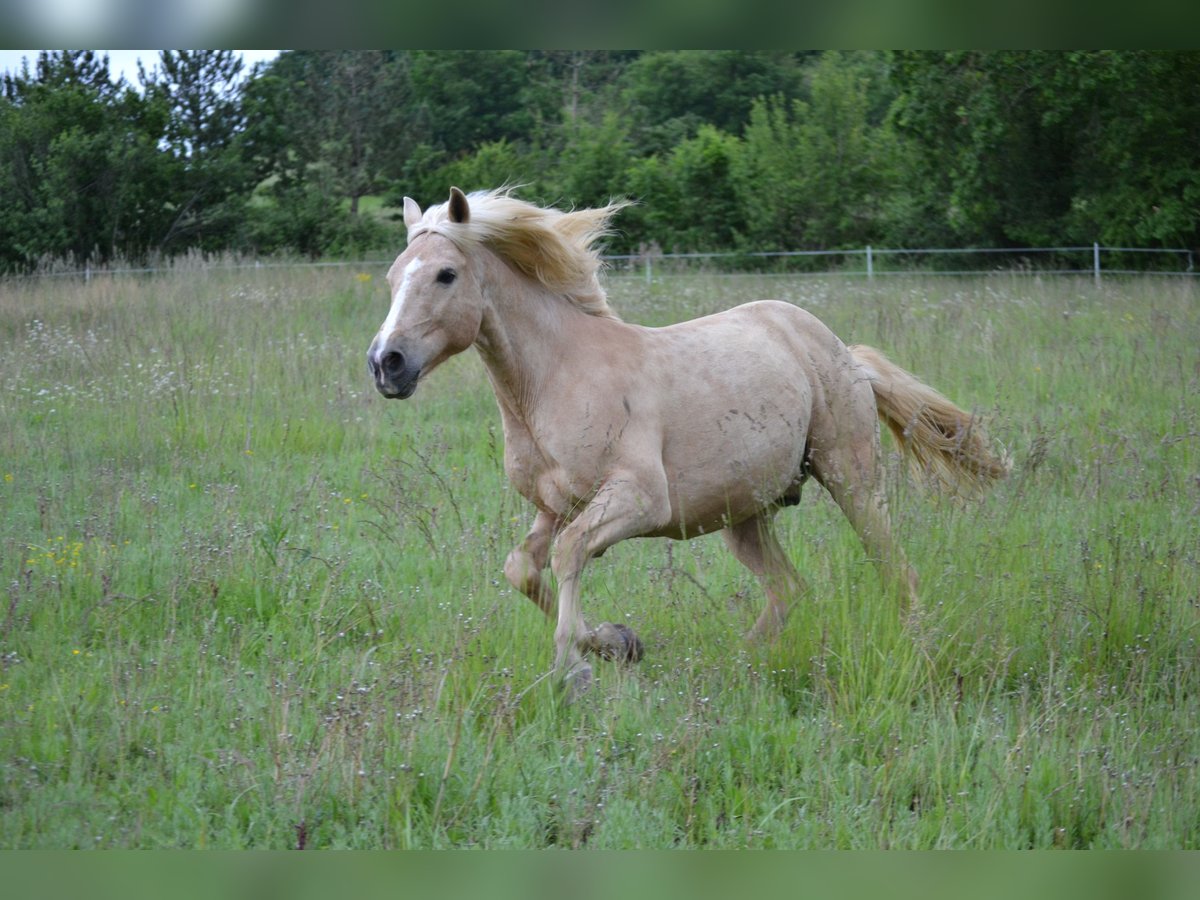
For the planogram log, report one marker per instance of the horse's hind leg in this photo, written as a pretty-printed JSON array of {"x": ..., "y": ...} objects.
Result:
[
  {"x": 755, "y": 546},
  {"x": 850, "y": 470}
]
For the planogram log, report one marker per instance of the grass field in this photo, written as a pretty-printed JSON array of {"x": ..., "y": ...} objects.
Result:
[{"x": 248, "y": 603}]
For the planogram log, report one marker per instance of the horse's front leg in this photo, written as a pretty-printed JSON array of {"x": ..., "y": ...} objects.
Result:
[
  {"x": 627, "y": 505},
  {"x": 529, "y": 559}
]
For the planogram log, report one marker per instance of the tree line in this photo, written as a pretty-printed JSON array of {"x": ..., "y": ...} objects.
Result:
[{"x": 724, "y": 150}]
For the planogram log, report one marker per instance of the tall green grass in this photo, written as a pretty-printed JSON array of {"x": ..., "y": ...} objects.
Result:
[{"x": 250, "y": 604}]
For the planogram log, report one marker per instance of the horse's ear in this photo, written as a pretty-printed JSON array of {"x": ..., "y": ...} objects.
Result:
[
  {"x": 460, "y": 210},
  {"x": 412, "y": 212}
]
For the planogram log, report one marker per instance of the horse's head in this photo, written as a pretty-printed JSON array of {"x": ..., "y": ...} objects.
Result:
[{"x": 437, "y": 305}]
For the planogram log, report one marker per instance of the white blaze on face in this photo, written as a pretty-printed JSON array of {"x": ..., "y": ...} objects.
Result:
[{"x": 393, "y": 316}]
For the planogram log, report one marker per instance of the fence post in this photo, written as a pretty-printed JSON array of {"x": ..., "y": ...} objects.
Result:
[
  {"x": 647, "y": 270},
  {"x": 1096, "y": 261},
  {"x": 870, "y": 265}
]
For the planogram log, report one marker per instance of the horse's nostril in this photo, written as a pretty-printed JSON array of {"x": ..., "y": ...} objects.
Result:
[{"x": 392, "y": 363}]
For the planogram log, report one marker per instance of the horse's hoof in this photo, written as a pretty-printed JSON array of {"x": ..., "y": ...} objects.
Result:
[
  {"x": 577, "y": 682},
  {"x": 615, "y": 641}
]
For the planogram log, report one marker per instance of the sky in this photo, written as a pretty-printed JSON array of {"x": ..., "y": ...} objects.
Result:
[{"x": 121, "y": 62}]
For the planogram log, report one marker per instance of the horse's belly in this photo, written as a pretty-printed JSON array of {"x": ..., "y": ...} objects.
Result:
[
  {"x": 701, "y": 507},
  {"x": 750, "y": 458}
]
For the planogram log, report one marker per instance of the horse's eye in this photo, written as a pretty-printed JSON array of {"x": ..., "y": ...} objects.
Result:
[{"x": 446, "y": 276}]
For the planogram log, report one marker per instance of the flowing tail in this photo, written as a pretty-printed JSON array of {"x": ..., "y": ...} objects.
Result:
[{"x": 945, "y": 444}]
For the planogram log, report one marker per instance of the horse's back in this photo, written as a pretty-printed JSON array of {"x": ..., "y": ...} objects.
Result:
[
  {"x": 770, "y": 326},
  {"x": 755, "y": 349}
]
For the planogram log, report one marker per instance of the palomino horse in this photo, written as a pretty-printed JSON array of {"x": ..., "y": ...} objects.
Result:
[{"x": 616, "y": 431}]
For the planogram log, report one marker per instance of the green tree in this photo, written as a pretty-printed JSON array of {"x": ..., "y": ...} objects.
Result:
[
  {"x": 816, "y": 174},
  {"x": 751, "y": 149},
  {"x": 213, "y": 171},
  {"x": 668, "y": 95},
  {"x": 495, "y": 164},
  {"x": 991, "y": 170},
  {"x": 81, "y": 173},
  {"x": 462, "y": 99},
  {"x": 689, "y": 200},
  {"x": 1137, "y": 172},
  {"x": 328, "y": 127},
  {"x": 335, "y": 120},
  {"x": 590, "y": 168},
  {"x": 1045, "y": 148},
  {"x": 567, "y": 85}
]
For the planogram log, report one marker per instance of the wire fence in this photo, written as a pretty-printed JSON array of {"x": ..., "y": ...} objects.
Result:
[
  {"x": 865, "y": 262},
  {"x": 871, "y": 262}
]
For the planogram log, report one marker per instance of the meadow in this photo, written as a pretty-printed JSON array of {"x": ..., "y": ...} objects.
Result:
[{"x": 248, "y": 603}]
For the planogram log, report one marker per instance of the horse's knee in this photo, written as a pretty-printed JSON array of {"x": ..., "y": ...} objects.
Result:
[
  {"x": 521, "y": 571},
  {"x": 569, "y": 558}
]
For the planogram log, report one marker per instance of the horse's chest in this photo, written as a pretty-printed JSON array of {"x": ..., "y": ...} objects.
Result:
[
  {"x": 541, "y": 482},
  {"x": 540, "y": 476},
  {"x": 526, "y": 463}
]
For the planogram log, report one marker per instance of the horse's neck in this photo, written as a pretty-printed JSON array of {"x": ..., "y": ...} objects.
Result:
[{"x": 526, "y": 339}]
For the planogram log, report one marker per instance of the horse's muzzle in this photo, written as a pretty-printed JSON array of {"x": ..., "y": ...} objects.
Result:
[{"x": 395, "y": 375}]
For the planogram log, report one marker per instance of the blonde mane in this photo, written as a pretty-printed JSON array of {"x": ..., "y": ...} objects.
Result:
[{"x": 553, "y": 247}]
